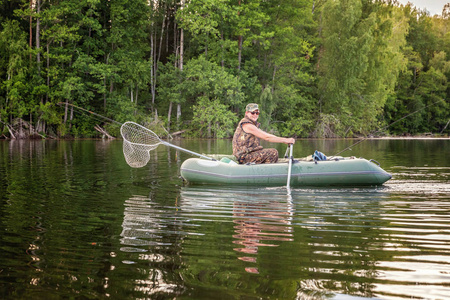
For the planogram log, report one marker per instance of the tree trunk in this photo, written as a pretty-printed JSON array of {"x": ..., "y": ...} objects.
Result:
[
  {"x": 155, "y": 68},
  {"x": 178, "y": 115},
  {"x": 239, "y": 45},
  {"x": 206, "y": 46},
  {"x": 175, "y": 41},
  {"x": 181, "y": 42},
  {"x": 273, "y": 78},
  {"x": 48, "y": 72},
  {"x": 65, "y": 112},
  {"x": 209, "y": 129},
  {"x": 181, "y": 49},
  {"x": 136, "y": 95},
  {"x": 38, "y": 39},
  {"x": 175, "y": 37},
  {"x": 90, "y": 35},
  {"x": 152, "y": 79},
  {"x": 222, "y": 62},
  {"x": 135, "y": 101},
  {"x": 31, "y": 27},
  {"x": 167, "y": 36},
  {"x": 104, "y": 93},
  {"x": 162, "y": 34},
  {"x": 71, "y": 117},
  {"x": 6, "y": 96},
  {"x": 111, "y": 89},
  {"x": 445, "y": 126},
  {"x": 169, "y": 116},
  {"x": 104, "y": 85},
  {"x": 239, "y": 52},
  {"x": 181, "y": 66}
]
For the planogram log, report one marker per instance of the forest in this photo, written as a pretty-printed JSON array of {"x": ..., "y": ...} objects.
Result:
[{"x": 317, "y": 68}]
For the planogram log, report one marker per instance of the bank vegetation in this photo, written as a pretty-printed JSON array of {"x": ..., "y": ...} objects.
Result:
[{"x": 318, "y": 68}]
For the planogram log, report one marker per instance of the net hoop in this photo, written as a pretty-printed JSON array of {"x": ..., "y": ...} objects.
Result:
[{"x": 138, "y": 141}]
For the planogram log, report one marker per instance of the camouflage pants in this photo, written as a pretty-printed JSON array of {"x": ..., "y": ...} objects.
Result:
[{"x": 264, "y": 156}]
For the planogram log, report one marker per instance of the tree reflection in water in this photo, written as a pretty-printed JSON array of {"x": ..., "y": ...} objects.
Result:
[{"x": 144, "y": 246}]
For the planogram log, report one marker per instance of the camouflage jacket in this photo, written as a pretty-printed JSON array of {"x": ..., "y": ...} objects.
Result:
[{"x": 243, "y": 142}]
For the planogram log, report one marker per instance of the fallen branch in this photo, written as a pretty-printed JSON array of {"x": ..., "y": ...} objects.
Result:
[
  {"x": 36, "y": 133},
  {"x": 103, "y": 131},
  {"x": 445, "y": 126},
  {"x": 179, "y": 132},
  {"x": 11, "y": 132}
]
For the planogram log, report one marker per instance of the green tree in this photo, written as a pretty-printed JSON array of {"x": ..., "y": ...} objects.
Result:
[
  {"x": 171, "y": 92},
  {"x": 422, "y": 89},
  {"x": 212, "y": 119},
  {"x": 360, "y": 61},
  {"x": 200, "y": 80},
  {"x": 287, "y": 66},
  {"x": 14, "y": 71},
  {"x": 318, "y": 68},
  {"x": 432, "y": 90}
]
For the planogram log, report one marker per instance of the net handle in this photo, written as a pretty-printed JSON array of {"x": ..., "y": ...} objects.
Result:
[
  {"x": 185, "y": 150},
  {"x": 148, "y": 131}
]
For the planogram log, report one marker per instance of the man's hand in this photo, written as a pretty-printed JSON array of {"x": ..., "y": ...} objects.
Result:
[{"x": 290, "y": 141}]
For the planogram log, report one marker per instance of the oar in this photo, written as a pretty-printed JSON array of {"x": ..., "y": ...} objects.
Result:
[{"x": 289, "y": 168}]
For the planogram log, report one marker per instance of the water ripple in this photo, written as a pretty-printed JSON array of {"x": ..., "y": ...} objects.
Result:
[{"x": 388, "y": 239}]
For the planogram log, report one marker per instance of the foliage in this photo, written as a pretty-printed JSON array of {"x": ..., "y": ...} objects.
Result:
[
  {"x": 203, "y": 78},
  {"x": 361, "y": 60},
  {"x": 422, "y": 89},
  {"x": 329, "y": 126},
  {"x": 212, "y": 119},
  {"x": 328, "y": 68},
  {"x": 214, "y": 90}
]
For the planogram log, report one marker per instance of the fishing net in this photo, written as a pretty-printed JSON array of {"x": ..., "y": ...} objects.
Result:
[{"x": 138, "y": 141}]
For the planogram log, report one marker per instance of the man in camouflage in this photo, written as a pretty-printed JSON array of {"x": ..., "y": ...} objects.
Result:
[{"x": 246, "y": 140}]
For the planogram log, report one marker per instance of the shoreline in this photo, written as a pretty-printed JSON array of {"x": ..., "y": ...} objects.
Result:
[
  {"x": 417, "y": 137},
  {"x": 410, "y": 138}
]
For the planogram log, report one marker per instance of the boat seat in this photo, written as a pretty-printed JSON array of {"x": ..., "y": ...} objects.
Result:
[
  {"x": 222, "y": 156},
  {"x": 228, "y": 161}
]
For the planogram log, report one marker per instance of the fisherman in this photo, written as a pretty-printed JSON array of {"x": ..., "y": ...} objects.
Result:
[{"x": 246, "y": 145}]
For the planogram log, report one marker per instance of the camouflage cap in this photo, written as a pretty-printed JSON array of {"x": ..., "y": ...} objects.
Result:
[{"x": 251, "y": 107}]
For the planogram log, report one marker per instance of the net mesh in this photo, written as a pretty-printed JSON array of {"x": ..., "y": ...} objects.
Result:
[{"x": 138, "y": 141}]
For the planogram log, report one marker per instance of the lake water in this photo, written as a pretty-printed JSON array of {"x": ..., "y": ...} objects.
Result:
[{"x": 77, "y": 222}]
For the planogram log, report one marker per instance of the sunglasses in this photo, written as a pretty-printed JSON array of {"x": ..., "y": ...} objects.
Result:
[{"x": 255, "y": 113}]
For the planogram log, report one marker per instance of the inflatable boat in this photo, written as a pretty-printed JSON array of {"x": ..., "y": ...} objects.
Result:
[{"x": 342, "y": 171}]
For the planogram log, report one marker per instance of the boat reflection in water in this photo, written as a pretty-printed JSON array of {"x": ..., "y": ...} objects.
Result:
[
  {"x": 261, "y": 218},
  {"x": 320, "y": 243},
  {"x": 261, "y": 224}
]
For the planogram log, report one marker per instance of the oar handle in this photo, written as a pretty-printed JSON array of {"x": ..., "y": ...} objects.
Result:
[
  {"x": 288, "y": 184},
  {"x": 287, "y": 151}
]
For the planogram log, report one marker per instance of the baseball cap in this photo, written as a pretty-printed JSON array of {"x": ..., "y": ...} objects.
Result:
[{"x": 251, "y": 107}]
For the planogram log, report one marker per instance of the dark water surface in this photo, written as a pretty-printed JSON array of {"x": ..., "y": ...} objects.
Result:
[{"x": 77, "y": 222}]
